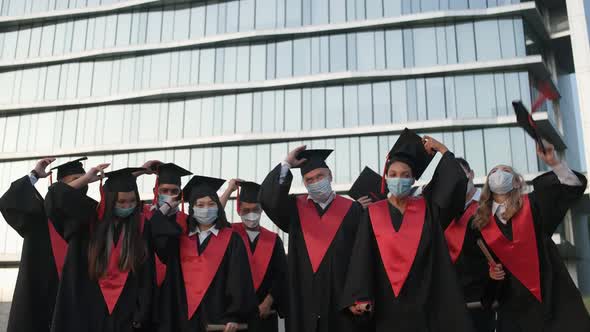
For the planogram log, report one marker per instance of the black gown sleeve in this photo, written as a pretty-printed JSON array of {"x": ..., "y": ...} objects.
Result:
[
  {"x": 21, "y": 205},
  {"x": 69, "y": 209},
  {"x": 147, "y": 284},
  {"x": 446, "y": 190},
  {"x": 164, "y": 236},
  {"x": 242, "y": 303},
  {"x": 274, "y": 197},
  {"x": 553, "y": 199},
  {"x": 361, "y": 269},
  {"x": 278, "y": 289}
]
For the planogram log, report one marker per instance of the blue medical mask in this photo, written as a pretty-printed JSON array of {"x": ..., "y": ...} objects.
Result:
[
  {"x": 205, "y": 216},
  {"x": 320, "y": 191},
  {"x": 501, "y": 182},
  {"x": 123, "y": 212},
  {"x": 400, "y": 187}
]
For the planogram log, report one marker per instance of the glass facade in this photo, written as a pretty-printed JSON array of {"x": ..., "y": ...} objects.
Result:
[{"x": 245, "y": 132}]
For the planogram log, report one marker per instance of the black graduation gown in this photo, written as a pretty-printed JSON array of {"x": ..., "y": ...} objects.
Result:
[
  {"x": 472, "y": 271},
  {"x": 431, "y": 298},
  {"x": 80, "y": 305},
  {"x": 229, "y": 298},
  {"x": 313, "y": 297},
  {"x": 562, "y": 308},
  {"x": 273, "y": 283},
  {"x": 37, "y": 281}
]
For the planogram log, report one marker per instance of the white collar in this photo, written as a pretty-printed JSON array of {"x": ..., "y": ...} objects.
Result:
[
  {"x": 213, "y": 230},
  {"x": 498, "y": 210},
  {"x": 252, "y": 234},
  {"x": 476, "y": 197},
  {"x": 326, "y": 203}
]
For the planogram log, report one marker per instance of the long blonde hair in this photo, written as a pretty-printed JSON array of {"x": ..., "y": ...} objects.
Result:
[{"x": 513, "y": 203}]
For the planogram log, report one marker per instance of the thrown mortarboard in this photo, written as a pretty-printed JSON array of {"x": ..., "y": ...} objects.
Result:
[
  {"x": 314, "y": 159},
  {"x": 171, "y": 173},
  {"x": 70, "y": 168},
  {"x": 201, "y": 186},
  {"x": 526, "y": 122},
  {"x": 410, "y": 150},
  {"x": 367, "y": 184},
  {"x": 122, "y": 180}
]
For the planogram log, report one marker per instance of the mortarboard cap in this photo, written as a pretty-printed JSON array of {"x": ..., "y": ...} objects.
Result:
[
  {"x": 410, "y": 150},
  {"x": 70, "y": 168},
  {"x": 367, "y": 184},
  {"x": 171, "y": 173},
  {"x": 249, "y": 192},
  {"x": 315, "y": 159},
  {"x": 121, "y": 180},
  {"x": 526, "y": 122},
  {"x": 200, "y": 186}
]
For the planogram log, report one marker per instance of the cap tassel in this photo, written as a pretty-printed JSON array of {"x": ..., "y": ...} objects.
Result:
[
  {"x": 50, "y": 178},
  {"x": 155, "y": 200},
  {"x": 545, "y": 93},
  {"x": 383, "y": 177},
  {"x": 182, "y": 201},
  {"x": 238, "y": 201},
  {"x": 102, "y": 204}
]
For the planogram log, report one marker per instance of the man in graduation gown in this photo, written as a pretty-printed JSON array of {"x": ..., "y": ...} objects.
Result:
[
  {"x": 536, "y": 292},
  {"x": 266, "y": 253},
  {"x": 119, "y": 300},
  {"x": 400, "y": 271},
  {"x": 322, "y": 226},
  {"x": 469, "y": 261},
  {"x": 43, "y": 251},
  {"x": 208, "y": 280}
]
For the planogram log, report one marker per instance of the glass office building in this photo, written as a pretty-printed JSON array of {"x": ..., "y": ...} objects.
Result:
[{"x": 226, "y": 88}]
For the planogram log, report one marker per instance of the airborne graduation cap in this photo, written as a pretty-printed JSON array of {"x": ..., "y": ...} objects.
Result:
[
  {"x": 526, "y": 121},
  {"x": 121, "y": 180},
  {"x": 201, "y": 186},
  {"x": 367, "y": 184},
  {"x": 247, "y": 193},
  {"x": 69, "y": 168},
  {"x": 314, "y": 159},
  {"x": 410, "y": 150},
  {"x": 168, "y": 174}
]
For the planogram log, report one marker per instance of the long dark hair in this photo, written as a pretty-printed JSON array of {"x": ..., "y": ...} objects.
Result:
[
  {"x": 221, "y": 220},
  {"x": 133, "y": 251}
]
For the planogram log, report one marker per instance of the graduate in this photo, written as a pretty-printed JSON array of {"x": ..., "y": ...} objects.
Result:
[
  {"x": 108, "y": 279},
  {"x": 208, "y": 280},
  {"x": 266, "y": 254},
  {"x": 469, "y": 261},
  {"x": 43, "y": 251},
  {"x": 400, "y": 271},
  {"x": 536, "y": 292},
  {"x": 322, "y": 227}
]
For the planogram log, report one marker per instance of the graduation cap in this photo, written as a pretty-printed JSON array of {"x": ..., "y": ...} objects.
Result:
[
  {"x": 201, "y": 186},
  {"x": 171, "y": 173},
  {"x": 526, "y": 121},
  {"x": 410, "y": 150},
  {"x": 121, "y": 180},
  {"x": 315, "y": 159},
  {"x": 69, "y": 168},
  {"x": 367, "y": 184},
  {"x": 247, "y": 193}
]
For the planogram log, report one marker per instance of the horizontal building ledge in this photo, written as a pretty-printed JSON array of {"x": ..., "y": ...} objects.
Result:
[
  {"x": 527, "y": 9},
  {"x": 258, "y": 138},
  {"x": 533, "y": 64}
]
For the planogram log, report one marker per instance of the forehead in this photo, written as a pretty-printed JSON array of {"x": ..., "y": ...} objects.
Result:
[
  {"x": 501, "y": 168},
  {"x": 399, "y": 166},
  {"x": 168, "y": 186},
  {"x": 204, "y": 200},
  {"x": 244, "y": 205},
  {"x": 316, "y": 172},
  {"x": 125, "y": 194}
]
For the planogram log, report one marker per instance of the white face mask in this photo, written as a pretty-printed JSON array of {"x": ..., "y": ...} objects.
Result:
[
  {"x": 501, "y": 182},
  {"x": 205, "y": 216},
  {"x": 251, "y": 220},
  {"x": 320, "y": 191}
]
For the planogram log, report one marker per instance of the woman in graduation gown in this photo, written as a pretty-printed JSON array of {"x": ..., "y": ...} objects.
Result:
[
  {"x": 400, "y": 271},
  {"x": 535, "y": 291},
  {"x": 43, "y": 250},
  {"x": 208, "y": 279},
  {"x": 470, "y": 263},
  {"x": 266, "y": 253},
  {"x": 108, "y": 276}
]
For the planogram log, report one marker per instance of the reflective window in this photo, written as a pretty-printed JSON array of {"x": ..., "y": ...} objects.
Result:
[
  {"x": 381, "y": 103},
  {"x": 487, "y": 37},
  {"x": 284, "y": 59},
  {"x": 334, "y": 107}
]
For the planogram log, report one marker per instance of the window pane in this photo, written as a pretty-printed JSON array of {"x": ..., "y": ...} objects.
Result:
[
  {"x": 123, "y": 29},
  {"x": 181, "y": 23},
  {"x": 265, "y": 14},
  {"x": 365, "y": 51},
  {"x": 365, "y": 104},
  {"x": 351, "y": 116},
  {"x": 243, "y": 63},
  {"x": 320, "y": 12},
  {"x": 394, "y": 49},
  {"x": 485, "y": 95},
  {"x": 207, "y": 66},
  {"x": 474, "y": 151},
  {"x": 435, "y": 90},
  {"x": 244, "y": 113},
  {"x": 337, "y": 53},
  {"x": 154, "y": 25},
  {"x": 381, "y": 103},
  {"x": 318, "y": 115},
  {"x": 258, "y": 63},
  {"x": 192, "y": 118},
  {"x": 211, "y": 21},
  {"x": 337, "y": 11},
  {"x": 399, "y": 107},
  {"x": 374, "y": 8},
  {"x": 268, "y": 104},
  {"x": 424, "y": 46},
  {"x": 507, "y": 39},
  {"x": 293, "y": 110},
  {"x": 334, "y": 107},
  {"x": 197, "y": 26},
  {"x": 247, "y": 9},
  {"x": 284, "y": 59},
  {"x": 293, "y": 8},
  {"x": 466, "y": 103},
  {"x": 229, "y": 114},
  {"x": 465, "y": 42},
  {"x": 488, "y": 40},
  {"x": 229, "y": 68}
]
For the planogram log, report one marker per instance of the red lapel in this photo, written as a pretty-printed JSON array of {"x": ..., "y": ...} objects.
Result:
[
  {"x": 260, "y": 260},
  {"x": 59, "y": 247},
  {"x": 160, "y": 267},
  {"x": 455, "y": 232},
  {"x": 520, "y": 256},
  {"x": 318, "y": 232},
  {"x": 398, "y": 249},
  {"x": 198, "y": 271},
  {"x": 112, "y": 283}
]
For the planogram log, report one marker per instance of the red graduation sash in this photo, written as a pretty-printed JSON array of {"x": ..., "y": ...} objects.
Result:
[
  {"x": 260, "y": 259},
  {"x": 318, "y": 232},
  {"x": 398, "y": 248},
  {"x": 198, "y": 271},
  {"x": 520, "y": 256},
  {"x": 113, "y": 282},
  {"x": 59, "y": 247},
  {"x": 160, "y": 267},
  {"x": 455, "y": 232}
]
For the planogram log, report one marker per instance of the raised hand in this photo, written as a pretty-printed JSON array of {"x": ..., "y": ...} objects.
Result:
[
  {"x": 41, "y": 167},
  {"x": 292, "y": 157}
]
